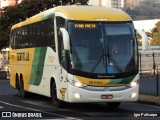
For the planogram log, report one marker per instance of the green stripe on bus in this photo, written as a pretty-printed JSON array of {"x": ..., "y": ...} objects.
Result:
[
  {"x": 48, "y": 15},
  {"x": 122, "y": 81},
  {"x": 127, "y": 80},
  {"x": 37, "y": 66},
  {"x": 115, "y": 81}
]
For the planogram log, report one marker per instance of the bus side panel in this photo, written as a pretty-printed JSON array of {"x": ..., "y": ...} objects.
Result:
[
  {"x": 20, "y": 64},
  {"x": 37, "y": 66},
  {"x": 12, "y": 68},
  {"x": 44, "y": 68}
]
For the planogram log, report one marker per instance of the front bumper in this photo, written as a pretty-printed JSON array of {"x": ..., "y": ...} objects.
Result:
[{"x": 95, "y": 95}]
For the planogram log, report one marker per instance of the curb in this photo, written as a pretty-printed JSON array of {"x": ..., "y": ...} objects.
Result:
[{"x": 148, "y": 99}]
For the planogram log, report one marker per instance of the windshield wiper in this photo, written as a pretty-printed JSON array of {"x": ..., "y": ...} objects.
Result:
[
  {"x": 111, "y": 58},
  {"x": 97, "y": 63},
  {"x": 115, "y": 63}
]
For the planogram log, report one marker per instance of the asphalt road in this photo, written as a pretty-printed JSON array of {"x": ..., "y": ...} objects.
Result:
[{"x": 14, "y": 107}]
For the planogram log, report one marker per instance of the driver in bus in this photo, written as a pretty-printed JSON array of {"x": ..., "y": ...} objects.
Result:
[{"x": 114, "y": 50}]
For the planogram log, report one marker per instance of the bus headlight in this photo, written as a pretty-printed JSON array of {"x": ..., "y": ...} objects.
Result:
[
  {"x": 133, "y": 83},
  {"x": 76, "y": 83}
]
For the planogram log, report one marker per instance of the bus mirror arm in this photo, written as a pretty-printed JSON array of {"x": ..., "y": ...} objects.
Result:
[{"x": 65, "y": 37}]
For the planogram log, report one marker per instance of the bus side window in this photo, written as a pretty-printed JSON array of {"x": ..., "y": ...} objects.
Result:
[
  {"x": 34, "y": 34},
  {"x": 17, "y": 39},
  {"x": 62, "y": 54},
  {"x": 12, "y": 38},
  {"x": 60, "y": 22},
  {"x": 50, "y": 34}
]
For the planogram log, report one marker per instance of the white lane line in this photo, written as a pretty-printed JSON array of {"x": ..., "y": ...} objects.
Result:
[
  {"x": 153, "y": 106},
  {"x": 1, "y": 107},
  {"x": 147, "y": 105},
  {"x": 39, "y": 111}
]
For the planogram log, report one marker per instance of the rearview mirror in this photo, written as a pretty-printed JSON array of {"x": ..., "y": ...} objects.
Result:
[
  {"x": 144, "y": 39},
  {"x": 65, "y": 37}
]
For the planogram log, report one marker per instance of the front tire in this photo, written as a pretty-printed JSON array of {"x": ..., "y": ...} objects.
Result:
[{"x": 56, "y": 102}]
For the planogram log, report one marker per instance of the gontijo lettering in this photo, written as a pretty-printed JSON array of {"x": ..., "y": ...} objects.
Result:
[{"x": 23, "y": 56}]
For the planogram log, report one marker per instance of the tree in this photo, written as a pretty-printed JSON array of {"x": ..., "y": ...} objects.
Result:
[
  {"x": 139, "y": 39},
  {"x": 146, "y": 10},
  {"x": 14, "y": 14},
  {"x": 82, "y": 2},
  {"x": 156, "y": 34}
]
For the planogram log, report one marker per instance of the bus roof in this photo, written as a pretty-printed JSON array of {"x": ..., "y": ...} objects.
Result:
[
  {"x": 93, "y": 13},
  {"x": 36, "y": 18},
  {"x": 78, "y": 12}
]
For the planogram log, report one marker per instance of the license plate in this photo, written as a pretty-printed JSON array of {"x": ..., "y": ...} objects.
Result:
[{"x": 108, "y": 96}]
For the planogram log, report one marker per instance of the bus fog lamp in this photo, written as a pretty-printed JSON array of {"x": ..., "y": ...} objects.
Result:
[
  {"x": 77, "y": 95},
  {"x": 133, "y": 95}
]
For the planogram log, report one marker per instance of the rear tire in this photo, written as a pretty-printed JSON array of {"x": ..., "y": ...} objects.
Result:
[
  {"x": 56, "y": 102},
  {"x": 113, "y": 105},
  {"x": 21, "y": 91},
  {"x": 17, "y": 83}
]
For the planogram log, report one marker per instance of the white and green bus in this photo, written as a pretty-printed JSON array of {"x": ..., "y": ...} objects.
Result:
[{"x": 76, "y": 54}]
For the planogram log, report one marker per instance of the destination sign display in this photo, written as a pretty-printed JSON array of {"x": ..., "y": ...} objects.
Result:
[{"x": 85, "y": 25}]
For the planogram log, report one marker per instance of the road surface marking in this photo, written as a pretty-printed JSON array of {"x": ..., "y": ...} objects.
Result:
[
  {"x": 72, "y": 118},
  {"x": 1, "y": 107},
  {"x": 153, "y": 105},
  {"x": 37, "y": 103},
  {"x": 133, "y": 103}
]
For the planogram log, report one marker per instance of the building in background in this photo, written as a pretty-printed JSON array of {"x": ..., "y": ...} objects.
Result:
[
  {"x": 132, "y": 3},
  {"x": 108, "y": 3},
  {"x": 4, "y": 3},
  {"x": 117, "y": 4},
  {"x": 136, "y": 3},
  {"x": 120, "y": 3},
  {"x": 154, "y": 1}
]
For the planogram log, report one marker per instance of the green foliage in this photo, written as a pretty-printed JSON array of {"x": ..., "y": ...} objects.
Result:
[
  {"x": 138, "y": 36},
  {"x": 156, "y": 34},
  {"x": 149, "y": 34},
  {"x": 14, "y": 14},
  {"x": 148, "y": 9}
]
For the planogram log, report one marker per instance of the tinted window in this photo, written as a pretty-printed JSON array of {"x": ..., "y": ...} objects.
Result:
[{"x": 38, "y": 34}]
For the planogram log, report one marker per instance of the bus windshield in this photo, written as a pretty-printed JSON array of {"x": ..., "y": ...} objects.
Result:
[{"x": 103, "y": 48}]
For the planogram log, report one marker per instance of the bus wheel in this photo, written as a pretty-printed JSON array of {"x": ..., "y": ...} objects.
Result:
[
  {"x": 17, "y": 83},
  {"x": 22, "y": 92},
  {"x": 56, "y": 102},
  {"x": 113, "y": 105}
]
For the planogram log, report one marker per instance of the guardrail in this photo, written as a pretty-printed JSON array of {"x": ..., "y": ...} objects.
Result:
[{"x": 149, "y": 73}]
